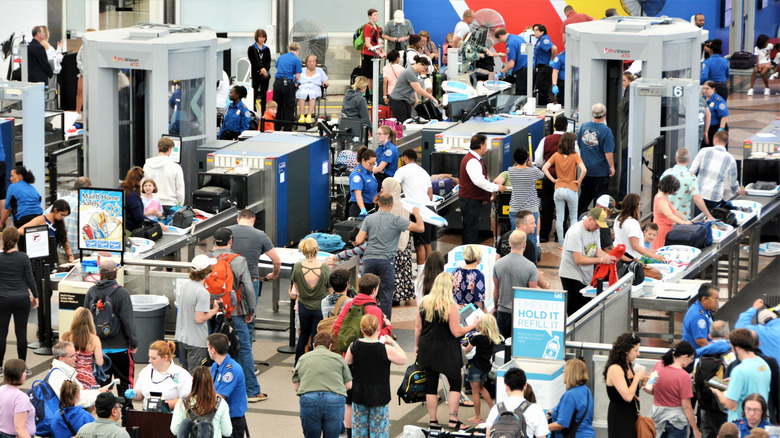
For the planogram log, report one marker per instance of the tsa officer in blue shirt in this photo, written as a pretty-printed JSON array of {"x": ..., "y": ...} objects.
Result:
[
  {"x": 544, "y": 51},
  {"x": 288, "y": 71},
  {"x": 237, "y": 115},
  {"x": 698, "y": 319},
  {"x": 558, "y": 65},
  {"x": 386, "y": 154},
  {"x": 228, "y": 382},
  {"x": 362, "y": 183},
  {"x": 716, "y": 68},
  {"x": 516, "y": 60},
  {"x": 719, "y": 112}
]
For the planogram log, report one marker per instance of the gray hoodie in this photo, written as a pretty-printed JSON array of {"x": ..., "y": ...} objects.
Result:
[{"x": 355, "y": 106}]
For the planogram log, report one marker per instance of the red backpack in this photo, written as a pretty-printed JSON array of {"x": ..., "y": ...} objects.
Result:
[{"x": 220, "y": 282}]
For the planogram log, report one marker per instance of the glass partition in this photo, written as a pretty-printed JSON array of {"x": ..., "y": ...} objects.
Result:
[{"x": 185, "y": 107}]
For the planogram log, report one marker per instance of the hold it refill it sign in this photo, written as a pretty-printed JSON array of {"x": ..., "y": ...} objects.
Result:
[{"x": 538, "y": 323}]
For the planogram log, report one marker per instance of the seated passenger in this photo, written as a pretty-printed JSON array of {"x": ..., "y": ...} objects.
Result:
[{"x": 310, "y": 87}]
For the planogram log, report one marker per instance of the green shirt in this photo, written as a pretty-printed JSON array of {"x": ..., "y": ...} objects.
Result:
[
  {"x": 322, "y": 370},
  {"x": 103, "y": 428},
  {"x": 309, "y": 296},
  {"x": 507, "y": 181}
]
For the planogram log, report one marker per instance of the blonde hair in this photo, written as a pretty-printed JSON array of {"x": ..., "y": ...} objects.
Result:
[
  {"x": 82, "y": 327},
  {"x": 369, "y": 324},
  {"x": 361, "y": 82},
  {"x": 488, "y": 327},
  {"x": 576, "y": 373},
  {"x": 390, "y": 132},
  {"x": 309, "y": 247},
  {"x": 472, "y": 254},
  {"x": 439, "y": 301},
  {"x": 293, "y": 47},
  {"x": 271, "y": 104}
]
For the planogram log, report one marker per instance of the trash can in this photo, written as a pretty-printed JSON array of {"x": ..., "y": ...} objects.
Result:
[{"x": 149, "y": 312}]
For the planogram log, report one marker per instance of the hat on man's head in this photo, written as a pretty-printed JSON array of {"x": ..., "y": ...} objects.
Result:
[
  {"x": 398, "y": 17},
  {"x": 766, "y": 315},
  {"x": 106, "y": 402},
  {"x": 607, "y": 202},
  {"x": 414, "y": 39},
  {"x": 201, "y": 262},
  {"x": 599, "y": 215},
  {"x": 222, "y": 236},
  {"x": 107, "y": 265}
]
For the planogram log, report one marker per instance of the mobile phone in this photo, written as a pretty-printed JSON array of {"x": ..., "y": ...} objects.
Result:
[{"x": 112, "y": 384}]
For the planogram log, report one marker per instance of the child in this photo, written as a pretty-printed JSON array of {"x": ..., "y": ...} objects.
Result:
[
  {"x": 339, "y": 281},
  {"x": 763, "y": 52},
  {"x": 651, "y": 232},
  {"x": 153, "y": 209},
  {"x": 447, "y": 44},
  {"x": 481, "y": 363},
  {"x": 270, "y": 114}
]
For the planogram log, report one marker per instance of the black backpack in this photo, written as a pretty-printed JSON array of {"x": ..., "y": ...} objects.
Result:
[
  {"x": 724, "y": 215},
  {"x": 197, "y": 426},
  {"x": 709, "y": 366},
  {"x": 510, "y": 424},
  {"x": 107, "y": 323},
  {"x": 697, "y": 235},
  {"x": 225, "y": 327},
  {"x": 183, "y": 217},
  {"x": 412, "y": 389}
]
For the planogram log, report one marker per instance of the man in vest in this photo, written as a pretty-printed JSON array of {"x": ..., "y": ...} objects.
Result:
[
  {"x": 547, "y": 147},
  {"x": 475, "y": 188}
]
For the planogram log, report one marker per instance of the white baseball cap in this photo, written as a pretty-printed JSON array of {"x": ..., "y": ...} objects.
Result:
[
  {"x": 603, "y": 201},
  {"x": 398, "y": 16},
  {"x": 202, "y": 261}
]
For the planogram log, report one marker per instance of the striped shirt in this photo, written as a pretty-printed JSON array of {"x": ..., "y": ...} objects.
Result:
[
  {"x": 717, "y": 173},
  {"x": 524, "y": 196}
]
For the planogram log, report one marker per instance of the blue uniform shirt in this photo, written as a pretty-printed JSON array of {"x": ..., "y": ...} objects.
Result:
[
  {"x": 696, "y": 323},
  {"x": 744, "y": 429},
  {"x": 542, "y": 50},
  {"x": 237, "y": 118},
  {"x": 576, "y": 398},
  {"x": 28, "y": 200},
  {"x": 715, "y": 68},
  {"x": 363, "y": 180},
  {"x": 559, "y": 63},
  {"x": 287, "y": 66},
  {"x": 388, "y": 153},
  {"x": 229, "y": 381},
  {"x": 514, "y": 51},
  {"x": 718, "y": 109}
]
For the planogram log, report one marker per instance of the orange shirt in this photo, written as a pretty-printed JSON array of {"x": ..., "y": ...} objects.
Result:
[{"x": 566, "y": 168}]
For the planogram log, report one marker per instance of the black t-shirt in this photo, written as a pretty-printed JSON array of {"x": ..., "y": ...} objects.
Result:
[
  {"x": 504, "y": 249},
  {"x": 481, "y": 359},
  {"x": 606, "y": 238}
]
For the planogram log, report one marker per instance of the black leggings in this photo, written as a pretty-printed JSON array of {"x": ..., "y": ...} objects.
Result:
[
  {"x": 19, "y": 307},
  {"x": 432, "y": 381}
]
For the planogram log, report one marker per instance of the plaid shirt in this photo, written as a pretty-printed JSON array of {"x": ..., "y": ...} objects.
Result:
[
  {"x": 689, "y": 187},
  {"x": 717, "y": 172},
  {"x": 71, "y": 222}
]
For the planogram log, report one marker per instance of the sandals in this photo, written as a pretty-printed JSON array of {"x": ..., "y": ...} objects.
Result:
[
  {"x": 433, "y": 423},
  {"x": 457, "y": 425}
]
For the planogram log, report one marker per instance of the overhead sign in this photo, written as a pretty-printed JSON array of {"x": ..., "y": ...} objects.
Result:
[
  {"x": 538, "y": 323},
  {"x": 101, "y": 219}
]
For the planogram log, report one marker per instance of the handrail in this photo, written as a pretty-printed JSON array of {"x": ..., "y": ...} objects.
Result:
[
  {"x": 593, "y": 346},
  {"x": 157, "y": 263},
  {"x": 584, "y": 310}
]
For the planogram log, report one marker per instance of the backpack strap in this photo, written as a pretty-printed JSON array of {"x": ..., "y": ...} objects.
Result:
[
  {"x": 67, "y": 423},
  {"x": 502, "y": 408},
  {"x": 522, "y": 408}
]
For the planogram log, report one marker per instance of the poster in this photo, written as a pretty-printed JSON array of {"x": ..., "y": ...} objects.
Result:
[
  {"x": 539, "y": 323},
  {"x": 101, "y": 219},
  {"x": 37, "y": 241}
]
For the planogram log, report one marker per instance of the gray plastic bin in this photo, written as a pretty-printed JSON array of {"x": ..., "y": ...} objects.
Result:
[{"x": 149, "y": 312}]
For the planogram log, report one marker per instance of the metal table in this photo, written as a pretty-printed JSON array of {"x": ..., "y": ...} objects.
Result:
[{"x": 171, "y": 243}]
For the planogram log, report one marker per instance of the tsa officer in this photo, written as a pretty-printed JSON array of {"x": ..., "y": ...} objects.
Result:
[
  {"x": 544, "y": 51},
  {"x": 288, "y": 71},
  {"x": 386, "y": 154},
  {"x": 558, "y": 65},
  {"x": 698, "y": 319},
  {"x": 719, "y": 112},
  {"x": 237, "y": 115},
  {"x": 228, "y": 382},
  {"x": 716, "y": 68},
  {"x": 516, "y": 60},
  {"x": 363, "y": 184}
]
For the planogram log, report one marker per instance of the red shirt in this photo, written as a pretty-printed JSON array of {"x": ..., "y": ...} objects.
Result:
[
  {"x": 673, "y": 385},
  {"x": 371, "y": 37},
  {"x": 574, "y": 18}
]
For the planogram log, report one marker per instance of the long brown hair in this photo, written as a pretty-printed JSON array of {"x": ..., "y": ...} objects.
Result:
[
  {"x": 81, "y": 329},
  {"x": 10, "y": 238},
  {"x": 132, "y": 181},
  {"x": 202, "y": 393},
  {"x": 630, "y": 208}
]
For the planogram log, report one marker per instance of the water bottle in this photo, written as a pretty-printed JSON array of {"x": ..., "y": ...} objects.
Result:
[
  {"x": 651, "y": 381},
  {"x": 552, "y": 348}
]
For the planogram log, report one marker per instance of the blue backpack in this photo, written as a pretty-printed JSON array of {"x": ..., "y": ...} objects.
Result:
[
  {"x": 327, "y": 242},
  {"x": 46, "y": 404}
]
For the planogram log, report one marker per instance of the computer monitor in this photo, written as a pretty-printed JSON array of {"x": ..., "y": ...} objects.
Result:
[
  {"x": 349, "y": 128},
  {"x": 176, "y": 152},
  {"x": 571, "y": 126},
  {"x": 463, "y": 110}
]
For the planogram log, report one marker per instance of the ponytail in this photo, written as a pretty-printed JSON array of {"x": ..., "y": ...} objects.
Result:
[
  {"x": 683, "y": 348},
  {"x": 27, "y": 175},
  {"x": 364, "y": 153}
]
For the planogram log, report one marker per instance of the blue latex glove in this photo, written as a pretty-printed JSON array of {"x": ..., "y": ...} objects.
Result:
[
  {"x": 130, "y": 393},
  {"x": 555, "y": 90},
  {"x": 363, "y": 213},
  {"x": 552, "y": 61},
  {"x": 500, "y": 75}
]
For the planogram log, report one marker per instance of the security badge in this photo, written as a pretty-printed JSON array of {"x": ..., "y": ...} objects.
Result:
[
  {"x": 356, "y": 178},
  {"x": 228, "y": 377},
  {"x": 238, "y": 112},
  {"x": 388, "y": 153},
  {"x": 722, "y": 106}
]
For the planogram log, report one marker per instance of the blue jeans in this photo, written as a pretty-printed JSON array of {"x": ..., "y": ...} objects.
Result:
[
  {"x": 534, "y": 239},
  {"x": 256, "y": 284},
  {"x": 564, "y": 197},
  {"x": 322, "y": 414},
  {"x": 309, "y": 320},
  {"x": 385, "y": 270},
  {"x": 245, "y": 358},
  {"x": 673, "y": 432}
]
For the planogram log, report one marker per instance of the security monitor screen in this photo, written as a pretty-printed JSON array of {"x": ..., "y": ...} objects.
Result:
[{"x": 176, "y": 153}]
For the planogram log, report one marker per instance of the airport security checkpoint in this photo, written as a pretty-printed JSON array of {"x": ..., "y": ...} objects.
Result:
[{"x": 574, "y": 200}]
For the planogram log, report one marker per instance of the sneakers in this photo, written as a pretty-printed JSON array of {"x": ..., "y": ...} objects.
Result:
[
  {"x": 302, "y": 118},
  {"x": 750, "y": 92},
  {"x": 29, "y": 372},
  {"x": 773, "y": 76},
  {"x": 309, "y": 119},
  {"x": 767, "y": 92},
  {"x": 258, "y": 398},
  {"x": 257, "y": 371}
]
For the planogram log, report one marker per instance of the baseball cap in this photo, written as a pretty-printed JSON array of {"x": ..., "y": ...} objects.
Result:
[
  {"x": 607, "y": 202},
  {"x": 599, "y": 215},
  {"x": 106, "y": 401},
  {"x": 398, "y": 16},
  {"x": 766, "y": 315},
  {"x": 223, "y": 236},
  {"x": 202, "y": 261},
  {"x": 107, "y": 265}
]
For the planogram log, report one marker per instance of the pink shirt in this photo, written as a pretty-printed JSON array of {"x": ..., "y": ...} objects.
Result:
[
  {"x": 13, "y": 401},
  {"x": 391, "y": 72},
  {"x": 673, "y": 385}
]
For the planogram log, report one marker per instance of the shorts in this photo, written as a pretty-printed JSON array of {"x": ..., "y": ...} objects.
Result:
[
  {"x": 476, "y": 375},
  {"x": 764, "y": 65},
  {"x": 367, "y": 66},
  {"x": 426, "y": 237}
]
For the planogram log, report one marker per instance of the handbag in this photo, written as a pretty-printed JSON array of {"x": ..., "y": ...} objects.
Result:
[
  {"x": 148, "y": 230},
  {"x": 645, "y": 426},
  {"x": 571, "y": 432},
  {"x": 724, "y": 215}
]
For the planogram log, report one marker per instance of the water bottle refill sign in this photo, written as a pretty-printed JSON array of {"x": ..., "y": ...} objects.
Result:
[{"x": 538, "y": 324}]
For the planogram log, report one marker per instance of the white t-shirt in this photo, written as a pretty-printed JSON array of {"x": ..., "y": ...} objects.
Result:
[
  {"x": 623, "y": 232},
  {"x": 535, "y": 419},
  {"x": 578, "y": 239},
  {"x": 174, "y": 383},
  {"x": 461, "y": 30},
  {"x": 414, "y": 181},
  {"x": 763, "y": 54}
]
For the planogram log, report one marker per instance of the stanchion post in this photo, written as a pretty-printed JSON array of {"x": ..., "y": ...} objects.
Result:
[
  {"x": 45, "y": 334},
  {"x": 290, "y": 348}
]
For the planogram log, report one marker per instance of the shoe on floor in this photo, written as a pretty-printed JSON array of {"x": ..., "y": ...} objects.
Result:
[
  {"x": 773, "y": 76},
  {"x": 750, "y": 92},
  {"x": 257, "y": 371},
  {"x": 767, "y": 92},
  {"x": 309, "y": 119},
  {"x": 302, "y": 119},
  {"x": 258, "y": 398},
  {"x": 29, "y": 372}
]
